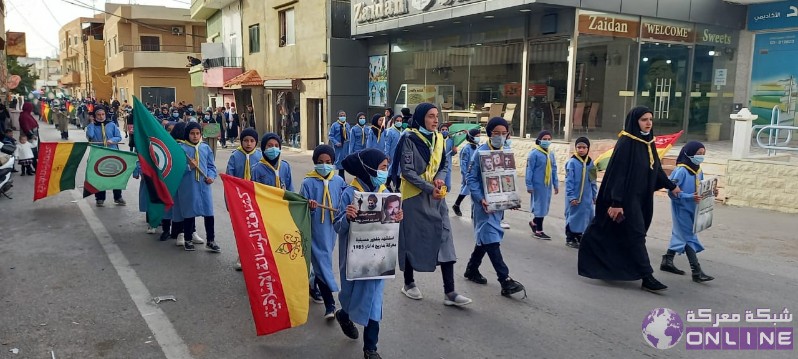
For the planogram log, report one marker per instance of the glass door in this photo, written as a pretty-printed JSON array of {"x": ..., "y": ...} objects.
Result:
[
  {"x": 547, "y": 88},
  {"x": 662, "y": 84}
]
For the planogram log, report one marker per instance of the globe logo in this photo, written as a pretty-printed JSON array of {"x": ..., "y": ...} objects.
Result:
[{"x": 662, "y": 328}]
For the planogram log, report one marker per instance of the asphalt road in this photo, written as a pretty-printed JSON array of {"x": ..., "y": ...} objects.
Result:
[{"x": 67, "y": 292}]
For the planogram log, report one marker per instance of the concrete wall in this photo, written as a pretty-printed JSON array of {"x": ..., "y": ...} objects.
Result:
[
  {"x": 348, "y": 84},
  {"x": 765, "y": 184}
]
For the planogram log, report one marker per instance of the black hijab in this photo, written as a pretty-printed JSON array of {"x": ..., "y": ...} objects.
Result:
[
  {"x": 375, "y": 126},
  {"x": 586, "y": 158},
  {"x": 633, "y": 127},
  {"x": 323, "y": 150},
  {"x": 178, "y": 131},
  {"x": 689, "y": 150},
  {"x": 423, "y": 149},
  {"x": 190, "y": 126},
  {"x": 363, "y": 165},
  {"x": 470, "y": 137}
]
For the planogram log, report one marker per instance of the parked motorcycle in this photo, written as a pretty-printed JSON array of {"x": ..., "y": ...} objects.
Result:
[{"x": 6, "y": 170}]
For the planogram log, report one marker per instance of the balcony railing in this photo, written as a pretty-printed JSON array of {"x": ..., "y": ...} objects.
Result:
[
  {"x": 160, "y": 48},
  {"x": 222, "y": 62}
]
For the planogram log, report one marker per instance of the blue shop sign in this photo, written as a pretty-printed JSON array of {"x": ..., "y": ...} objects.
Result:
[{"x": 776, "y": 15}]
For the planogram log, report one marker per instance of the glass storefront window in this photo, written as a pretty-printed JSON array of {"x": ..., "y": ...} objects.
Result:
[
  {"x": 712, "y": 90},
  {"x": 548, "y": 87},
  {"x": 662, "y": 84}
]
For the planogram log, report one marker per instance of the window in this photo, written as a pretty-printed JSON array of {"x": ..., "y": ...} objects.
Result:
[
  {"x": 287, "y": 28},
  {"x": 150, "y": 43},
  {"x": 254, "y": 38},
  {"x": 115, "y": 48}
]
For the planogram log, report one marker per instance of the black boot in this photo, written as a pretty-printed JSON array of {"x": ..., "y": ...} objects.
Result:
[
  {"x": 698, "y": 275},
  {"x": 651, "y": 284},
  {"x": 667, "y": 264},
  {"x": 473, "y": 275}
]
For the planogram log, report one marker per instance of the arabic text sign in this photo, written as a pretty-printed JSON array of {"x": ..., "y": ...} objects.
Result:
[
  {"x": 373, "y": 236},
  {"x": 776, "y": 15}
]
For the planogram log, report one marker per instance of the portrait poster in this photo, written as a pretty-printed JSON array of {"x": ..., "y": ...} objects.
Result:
[
  {"x": 372, "y": 250},
  {"x": 704, "y": 209},
  {"x": 498, "y": 179},
  {"x": 378, "y": 81}
]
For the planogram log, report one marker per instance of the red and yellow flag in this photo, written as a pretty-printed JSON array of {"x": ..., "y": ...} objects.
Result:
[
  {"x": 663, "y": 144},
  {"x": 58, "y": 164},
  {"x": 272, "y": 230},
  {"x": 44, "y": 111}
]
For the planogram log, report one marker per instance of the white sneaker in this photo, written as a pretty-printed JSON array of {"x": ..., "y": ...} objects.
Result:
[
  {"x": 456, "y": 300},
  {"x": 412, "y": 293},
  {"x": 238, "y": 264},
  {"x": 151, "y": 230},
  {"x": 196, "y": 239},
  {"x": 505, "y": 225},
  {"x": 180, "y": 240}
]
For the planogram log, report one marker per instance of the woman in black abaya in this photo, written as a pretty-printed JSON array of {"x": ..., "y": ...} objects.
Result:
[{"x": 614, "y": 245}]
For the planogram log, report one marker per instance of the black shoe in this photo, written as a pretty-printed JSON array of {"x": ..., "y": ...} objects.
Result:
[
  {"x": 474, "y": 276},
  {"x": 698, "y": 275},
  {"x": 667, "y": 265},
  {"x": 347, "y": 327},
  {"x": 120, "y": 202},
  {"x": 14, "y": 170},
  {"x": 315, "y": 295},
  {"x": 23, "y": 173},
  {"x": 543, "y": 236},
  {"x": 164, "y": 236},
  {"x": 371, "y": 354},
  {"x": 532, "y": 225},
  {"x": 188, "y": 246},
  {"x": 652, "y": 285},
  {"x": 572, "y": 243},
  {"x": 510, "y": 287},
  {"x": 212, "y": 247},
  {"x": 456, "y": 210}
]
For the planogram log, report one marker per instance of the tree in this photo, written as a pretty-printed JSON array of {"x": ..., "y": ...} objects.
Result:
[{"x": 25, "y": 73}]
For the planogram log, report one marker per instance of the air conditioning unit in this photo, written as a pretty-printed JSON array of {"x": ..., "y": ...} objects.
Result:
[{"x": 177, "y": 30}]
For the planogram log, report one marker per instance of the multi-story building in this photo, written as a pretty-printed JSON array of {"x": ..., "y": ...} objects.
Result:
[
  {"x": 148, "y": 49},
  {"x": 48, "y": 72},
  {"x": 82, "y": 57}
]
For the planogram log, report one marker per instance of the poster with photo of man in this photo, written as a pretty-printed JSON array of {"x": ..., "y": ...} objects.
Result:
[
  {"x": 704, "y": 209},
  {"x": 498, "y": 177},
  {"x": 372, "y": 250}
]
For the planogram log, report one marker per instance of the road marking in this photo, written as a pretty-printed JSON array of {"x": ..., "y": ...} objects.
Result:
[{"x": 170, "y": 342}]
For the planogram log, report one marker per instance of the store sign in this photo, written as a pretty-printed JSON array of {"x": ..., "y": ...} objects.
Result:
[
  {"x": 714, "y": 36},
  {"x": 776, "y": 15},
  {"x": 369, "y": 11},
  {"x": 599, "y": 24},
  {"x": 667, "y": 32}
]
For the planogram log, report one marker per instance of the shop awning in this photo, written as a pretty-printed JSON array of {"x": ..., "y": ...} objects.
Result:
[{"x": 248, "y": 78}]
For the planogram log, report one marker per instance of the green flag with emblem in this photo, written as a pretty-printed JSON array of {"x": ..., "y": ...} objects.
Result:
[{"x": 108, "y": 169}]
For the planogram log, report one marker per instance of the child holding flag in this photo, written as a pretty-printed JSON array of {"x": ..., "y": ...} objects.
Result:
[
  {"x": 194, "y": 196},
  {"x": 242, "y": 160},
  {"x": 105, "y": 133},
  {"x": 580, "y": 192},
  {"x": 323, "y": 186},
  {"x": 687, "y": 176},
  {"x": 541, "y": 176},
  {"x": 361, "y": 300}
]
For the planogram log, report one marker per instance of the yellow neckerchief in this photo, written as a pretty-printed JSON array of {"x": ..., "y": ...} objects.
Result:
[
  {"x": 326, "y": 199},
  {"x": 343, "y": 130},
  {"x": 408, "y": 189},
  {"x": 247, "y": 167},
  {"x": 648, "y": 144},
  {"x": 584, "y": 174},
  {"x": 355, "y": 183},
  {"x": 379, "y": 134},
  {"x": 695, "y": 175},
  {"x": 196, "y": 157},
  {"x": 363, "y": 131},
  {"x": 275, "y": 170},
  {"x": 102, "y": 128},
  {"x": 547, "y": 177}
]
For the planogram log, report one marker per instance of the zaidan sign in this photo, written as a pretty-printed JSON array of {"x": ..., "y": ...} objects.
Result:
[
  {"x": 608, "y": 25},
  {"x": 367, "y": 11}
]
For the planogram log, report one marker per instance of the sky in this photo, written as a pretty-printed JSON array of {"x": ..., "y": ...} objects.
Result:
[{"x": 41, "y": 19}]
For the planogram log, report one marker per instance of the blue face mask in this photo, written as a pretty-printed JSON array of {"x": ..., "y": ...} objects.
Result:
[
  {"x": 508, "y": 142},
  {"x": 361, "y": 121},
  {"x": 324, "y": 169},
  {"x": 697, "y": 159},
  {"x": 424, "y": 131},
  {"x": 445, "y": 133},
  {"x": 272, "y": 152},
  {"x": 476, "y": 139},
  {"x": 398, "y": 125},
  {"x": 497, "y": 141},
  {"x": 175, "y": 115},
  {"x": 545, "y": 143},
  {"x": 342, "y": 118},
  {"x": 382, "y": 177}
]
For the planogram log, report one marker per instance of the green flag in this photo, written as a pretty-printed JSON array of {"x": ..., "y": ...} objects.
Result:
[
  {"x": 107, "y": 169},
  {"x": 163, "y": 162},
  {"x": 458, "y": 132}
]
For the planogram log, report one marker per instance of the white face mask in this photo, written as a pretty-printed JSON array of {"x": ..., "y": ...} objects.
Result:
[{"x": 645, "y": 133}]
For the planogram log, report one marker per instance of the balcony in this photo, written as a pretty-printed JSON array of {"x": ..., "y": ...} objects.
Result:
[
  {"x": 150, "y": 56},
  {"x": 220, "y": 69},
  {"x": 203, "y": 9},
  {"x": 71, "y": 78}
]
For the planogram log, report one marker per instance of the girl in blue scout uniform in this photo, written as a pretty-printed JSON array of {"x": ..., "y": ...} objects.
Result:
[
  {"x": 488, "y": 230},
  {"x": 450, "y": 151},
  {"x": 541, "y": 177},
  {"x": 323, "y": 186},
  {"x": 242, "y": 160},
  {"x": 359, "y": 134},
  {"x": 194, "y": 193},
  {"x": 580, "y": 192},
  {"x": 377, "y": 138},
  {"x": 271, "y": 170},
  {"x": 466, "y": 154},
  {"x": 339, "y": 140},
  {"x": 361, "y": 300},
  {"x": 392, "y": 135},
  {"x": 105, "y": 133},
  {"x": 687, "y": 176}
]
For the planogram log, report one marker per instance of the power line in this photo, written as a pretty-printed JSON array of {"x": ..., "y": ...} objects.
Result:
[
  {"x": 33, "y": 28},
  {"x": 51, "y": 14},
  {"x": 90, "y": 7}
]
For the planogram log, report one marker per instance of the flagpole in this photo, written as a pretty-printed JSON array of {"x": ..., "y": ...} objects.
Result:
[
  {"x": 325, "y": 207},
  {"x": 197, "y": 167}
]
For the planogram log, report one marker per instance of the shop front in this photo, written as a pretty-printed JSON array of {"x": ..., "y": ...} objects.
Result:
[{"x": 568, "y": 70}]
